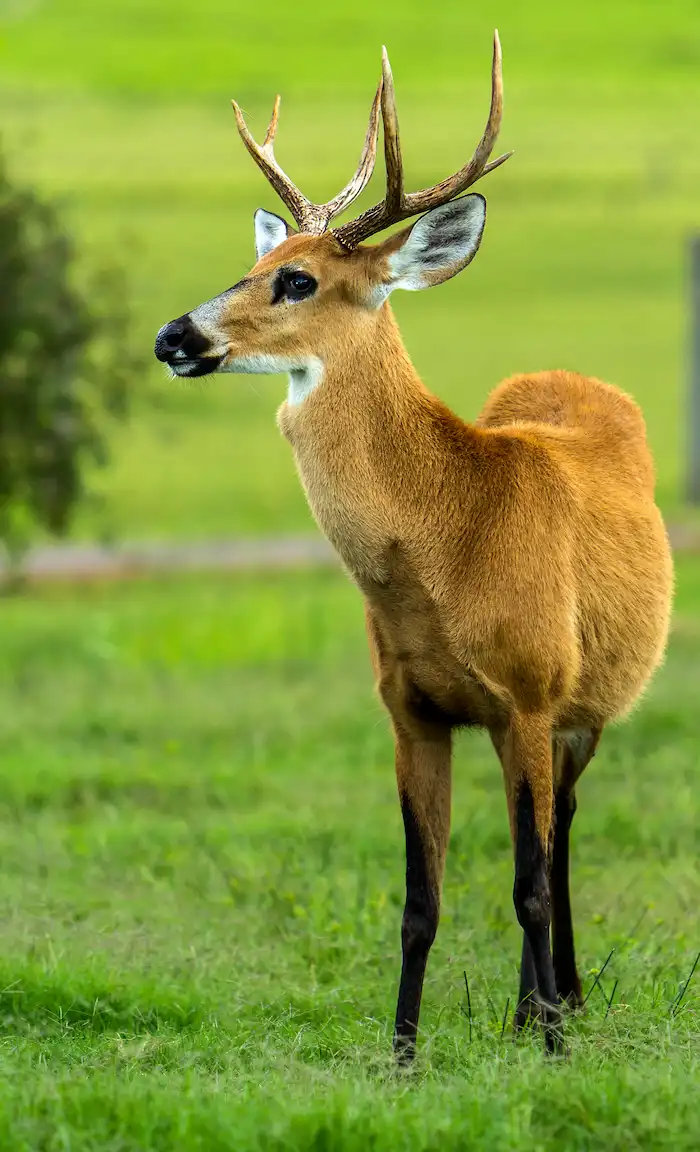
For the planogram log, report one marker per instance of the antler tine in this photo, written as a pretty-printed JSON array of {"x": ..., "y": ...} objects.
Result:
[
  {"x": 272, "y": 126},
  {"x": 392, "y": 141},
  {"x": 301, "y": 209},
  {"x": 398, "y": 205},
  {"x": 471, "y": 172},
  {"x": 365, "y": 168}
]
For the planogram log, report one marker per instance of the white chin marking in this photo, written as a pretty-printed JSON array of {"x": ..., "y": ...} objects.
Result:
[
  {"x": 305, "y": 374},
  {"x": 186, "y": 369}
]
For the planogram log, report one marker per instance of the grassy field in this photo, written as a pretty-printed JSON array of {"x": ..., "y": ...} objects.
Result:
[
  {"x": 201, "y": 894},
  {"x": 127, "y": 118}
]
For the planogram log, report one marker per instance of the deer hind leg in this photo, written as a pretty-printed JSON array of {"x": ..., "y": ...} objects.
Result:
[
  {"x": 423, "y": 773},
  {"x": 529, "y": 1008},
  {"x": 525, "y": 750},
  {"x": 572, "y": 753}
]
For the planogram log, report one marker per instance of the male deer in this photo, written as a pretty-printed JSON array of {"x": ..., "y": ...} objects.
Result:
[{"x": 516, "y": 571}]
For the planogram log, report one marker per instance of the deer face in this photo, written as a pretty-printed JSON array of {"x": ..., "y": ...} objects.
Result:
[
  {"x": 280, "y": 317},
  {"x": 307, "y": 296}
]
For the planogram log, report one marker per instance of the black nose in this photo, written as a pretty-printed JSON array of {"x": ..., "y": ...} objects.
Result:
[{"x": 180, "y": 336}]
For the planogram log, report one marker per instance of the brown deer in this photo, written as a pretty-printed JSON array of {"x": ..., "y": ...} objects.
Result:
[{"x": 516, "y": 571}]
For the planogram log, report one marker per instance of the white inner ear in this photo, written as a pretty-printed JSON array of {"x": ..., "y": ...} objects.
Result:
[
  {"x": 270, "y": 230},
  {"x": 439, "y": 245}
]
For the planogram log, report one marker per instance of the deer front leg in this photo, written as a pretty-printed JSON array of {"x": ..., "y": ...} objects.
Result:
[
  {"x": 527, "y": 764},
  {"x": 423, "y": 773}
]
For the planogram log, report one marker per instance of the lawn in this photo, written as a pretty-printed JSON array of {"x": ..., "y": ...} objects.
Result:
[
  {"x": 202, "y": 884},
  {"x": 126, "y": 118}
]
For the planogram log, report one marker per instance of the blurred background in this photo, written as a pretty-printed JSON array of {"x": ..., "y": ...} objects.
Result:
[{"x": 122, "y": 117}]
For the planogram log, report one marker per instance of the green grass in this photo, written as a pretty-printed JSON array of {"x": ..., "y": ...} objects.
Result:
[
  {"x": 202, "y": 885},
  {"x": 127, "y": 118}
]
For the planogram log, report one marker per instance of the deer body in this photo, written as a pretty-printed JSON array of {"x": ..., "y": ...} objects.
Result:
[
  {"x": 516, "y": 571},
  {"x": 520, "y": 562}
]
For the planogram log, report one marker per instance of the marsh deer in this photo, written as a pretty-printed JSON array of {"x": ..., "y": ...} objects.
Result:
[{"x": 516, "y": 571}]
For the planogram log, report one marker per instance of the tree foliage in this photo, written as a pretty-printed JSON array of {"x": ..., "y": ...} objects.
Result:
[{"x": 66, "y": 367}]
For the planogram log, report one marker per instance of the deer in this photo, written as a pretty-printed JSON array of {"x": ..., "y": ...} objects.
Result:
[{"x": 516, "y": 571}]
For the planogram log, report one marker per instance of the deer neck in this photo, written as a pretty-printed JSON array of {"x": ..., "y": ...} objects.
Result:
[{"x": 373, "y": 446}]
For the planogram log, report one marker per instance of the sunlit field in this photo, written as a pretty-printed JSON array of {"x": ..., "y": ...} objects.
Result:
[
  {"x": 127, "y": 117},
  {"x": 202, "y": 886}
]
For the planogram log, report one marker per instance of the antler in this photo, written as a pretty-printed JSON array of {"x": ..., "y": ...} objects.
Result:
[
  {"x": 313, "y": 218},
  {"x": 399, "y": 205}
]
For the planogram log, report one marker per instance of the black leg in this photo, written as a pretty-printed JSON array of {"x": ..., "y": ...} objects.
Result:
[
  {"x": 565, "y": 971},
  {"x": 527, "y": 997},
  {"x": 418, "y": 930},
  {"x": 572, "y": 755},
  {"x": 423, "y": 777},
  {"x": 532, "y": 906}
]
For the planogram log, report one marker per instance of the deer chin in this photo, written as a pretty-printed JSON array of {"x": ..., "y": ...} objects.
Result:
[
  {"x": 305, "y": 372},
  {"x": 197, "y": 366}
]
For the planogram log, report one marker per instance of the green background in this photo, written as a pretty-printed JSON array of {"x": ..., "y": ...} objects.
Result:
[{"x": 124, "y": 111}]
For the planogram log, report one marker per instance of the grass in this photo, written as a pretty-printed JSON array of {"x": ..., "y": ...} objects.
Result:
[
  {"x": 202, "y": 885},
  {"x": 127, "y": 119}
]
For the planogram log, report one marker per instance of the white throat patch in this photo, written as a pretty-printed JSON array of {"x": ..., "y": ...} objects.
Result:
[
  {"x": 303, "y": 381},
  {"x": 304, "y": 375}
]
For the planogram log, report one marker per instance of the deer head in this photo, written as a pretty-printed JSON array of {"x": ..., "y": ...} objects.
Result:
[{"x": 313, "y": 286}]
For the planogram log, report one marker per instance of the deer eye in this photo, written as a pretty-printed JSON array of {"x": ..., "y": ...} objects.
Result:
[{"x": 294, "y": 285}]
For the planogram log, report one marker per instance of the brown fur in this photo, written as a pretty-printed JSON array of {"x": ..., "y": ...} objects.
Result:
[{"x": 516, "y": 571}]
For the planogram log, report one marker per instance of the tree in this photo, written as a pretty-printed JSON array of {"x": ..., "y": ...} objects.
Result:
[{"x": 66, "y": 367}]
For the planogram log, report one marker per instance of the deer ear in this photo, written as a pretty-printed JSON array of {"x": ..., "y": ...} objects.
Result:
[
  {"x": 439, "y": 245},
  {"x": 270, "y": 230}
]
